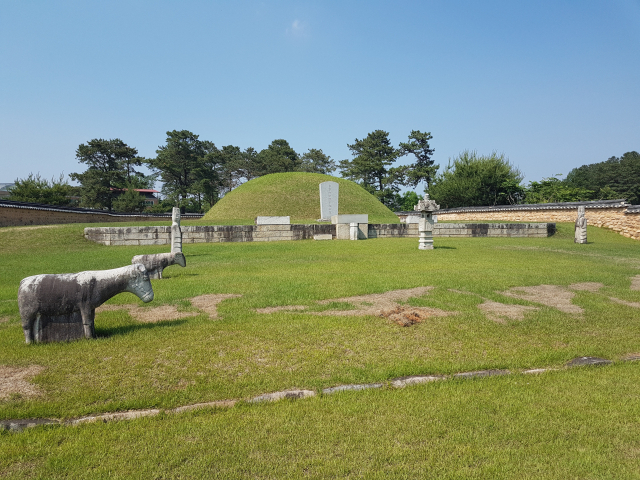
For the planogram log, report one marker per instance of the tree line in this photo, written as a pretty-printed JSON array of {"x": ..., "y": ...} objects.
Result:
[{"x": 195, "y": 174}]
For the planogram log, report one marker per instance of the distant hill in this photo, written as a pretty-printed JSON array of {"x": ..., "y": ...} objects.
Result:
[{"x": 295, "y": 194}]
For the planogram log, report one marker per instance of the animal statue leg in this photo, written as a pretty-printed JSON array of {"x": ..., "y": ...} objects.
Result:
[
  {"x": 88, "y": 317},
  {"x": 28, "y": 335}
]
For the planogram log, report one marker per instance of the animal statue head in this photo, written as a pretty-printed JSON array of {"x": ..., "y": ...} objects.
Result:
[
  {"x": 180, "y": 260},
  {"x": 139, "y": 284}
]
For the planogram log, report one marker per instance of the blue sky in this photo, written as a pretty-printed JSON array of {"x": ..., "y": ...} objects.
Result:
[{"x": 551, "y": 84}]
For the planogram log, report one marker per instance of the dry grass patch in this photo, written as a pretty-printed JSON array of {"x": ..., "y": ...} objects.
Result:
[
  {"x": 209, "y": 303},
  {"x": 377, "y": 304},
  {"x": 150, "y": 315},
  {"x": 635, "y": 282},
  {"x": 501, "y": 312},
  {"x": 624, "y": 302},
  {"x": 14, "y": 380},
  {"x": 592, "y": 287},
  {"x": 549, "y": 295},
  {"x": 205, "y": 303},
  {"x": 4, "y": 319}
]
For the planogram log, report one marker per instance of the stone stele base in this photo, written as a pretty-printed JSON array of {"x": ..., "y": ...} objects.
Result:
[{"x": 58, "y": 328}]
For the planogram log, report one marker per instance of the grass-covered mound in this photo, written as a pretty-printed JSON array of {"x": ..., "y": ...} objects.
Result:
[{"x": 297, "y": 195}]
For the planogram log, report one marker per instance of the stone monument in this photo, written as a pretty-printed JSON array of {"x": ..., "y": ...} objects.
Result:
[
  {"x": 425, "y": 226},
  {"x": 56, "y": 308},
  {"x": 328, "y": 200},
  {"x": 580, "y": 229},
  {"x": 176, "y": 233}
]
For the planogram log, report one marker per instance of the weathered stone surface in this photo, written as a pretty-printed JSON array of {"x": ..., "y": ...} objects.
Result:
[
  {"x": 176, "y": 232},
  {"x": 482, "y": 373},
  {"x": 273, "y": 220},
  {"x": 412, "y": 219},
  {"x": 415, "y": 380},
  {"x": 580, "y": 229},
  {"x": 342, "y": 388},
  {"x": 343, "y": 231},
  {"x": 21, "y": 424},
  {"x": 323, "y": 236},
  {"x": 585, "y": 361},
  {"x": 156, "y": 263},
  {"x": 291, "y": 394},
  {"x": 356, "y": 218},
  {"x": 109, "y": 417},
  {"x": 328, "y": 200},
  {"x": 50, "y": 303}
]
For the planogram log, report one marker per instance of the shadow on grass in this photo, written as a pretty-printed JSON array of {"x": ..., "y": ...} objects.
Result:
[
  {"x": 126, "y": 329},
  {"x": 443, "y": 247}
]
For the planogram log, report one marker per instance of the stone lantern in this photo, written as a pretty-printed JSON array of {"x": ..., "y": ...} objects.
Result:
[{"x": 425, "y": 226}]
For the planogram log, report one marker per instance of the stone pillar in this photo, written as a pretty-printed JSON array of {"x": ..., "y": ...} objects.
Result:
[
  {"x": 425, "y": 225},
  {"x": 353, "y": 231},
  {"x": 425, "y": 228},
  {"x": 176, "y": 233},
  {"x": 580, "y": 229}
]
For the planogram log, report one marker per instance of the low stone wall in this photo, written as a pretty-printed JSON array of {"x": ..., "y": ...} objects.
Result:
[
  {"x": 265, "y": 233},
  {"x": 17, "y": 214},
  {"x": 395, "y": 230},
  {"x": 614, "y": 214},
  {"x": 205, "y": 234}
]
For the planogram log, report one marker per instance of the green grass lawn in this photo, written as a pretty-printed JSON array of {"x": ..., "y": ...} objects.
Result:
[{"x": 569, "y": 423}]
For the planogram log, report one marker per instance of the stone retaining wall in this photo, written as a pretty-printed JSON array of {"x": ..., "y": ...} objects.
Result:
[
  {"x": 264, "y": 233},
  {"x": 614, "y": 214},
  {"x": 16, "y": 214}
]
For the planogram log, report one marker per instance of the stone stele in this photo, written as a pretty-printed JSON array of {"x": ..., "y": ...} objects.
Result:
[
  {"x": 156, "y": 263},
  {"x": 62, "y": 307},
  {"x": 328, "y": 200},
  {"x": 580, "y": 229}
]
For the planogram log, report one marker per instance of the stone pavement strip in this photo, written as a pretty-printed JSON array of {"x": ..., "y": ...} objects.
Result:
[{"x": 293, "y": 394}]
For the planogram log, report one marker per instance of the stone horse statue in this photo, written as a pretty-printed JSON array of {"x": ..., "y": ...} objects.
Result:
[{"x": 63, "y": 307}]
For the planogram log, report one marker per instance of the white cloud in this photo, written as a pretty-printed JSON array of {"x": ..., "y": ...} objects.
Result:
[{"x": 297, "y": 29}]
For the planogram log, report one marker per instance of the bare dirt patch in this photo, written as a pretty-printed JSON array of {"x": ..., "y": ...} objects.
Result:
[
  {"x": 209, "y": 303},
  {"x": 501, "y": 312},
  {"x": 624, "y": 302},
  {"x": 286, "y": 308},
  {"x": 549, "y": 295},
  {"x": 150, "y": 315},
  {"x": 592, "y": 287},
  {"x": 635, "y": 282},
  {"x": 14, "y": 380},
  {"x": 205, "y": 303},
  {"x": 377, "y": 304},
  {"x": 4, "y": 319}
]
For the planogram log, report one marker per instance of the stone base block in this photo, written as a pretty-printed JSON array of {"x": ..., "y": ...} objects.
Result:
[
  {"x": 58, "y": 328},
  {"x": 323, "y": 236}
]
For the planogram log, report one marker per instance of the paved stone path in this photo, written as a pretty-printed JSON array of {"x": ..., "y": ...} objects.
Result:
[{"x": 21, "y": 424}]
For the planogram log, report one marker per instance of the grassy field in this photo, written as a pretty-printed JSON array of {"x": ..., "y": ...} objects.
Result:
[{"x": 567, "y": 423}]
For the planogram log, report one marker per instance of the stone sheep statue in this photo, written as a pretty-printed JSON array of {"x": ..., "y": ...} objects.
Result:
[
  {"x": 63, "y": 307},
  {"x": 156, "y": 263}
]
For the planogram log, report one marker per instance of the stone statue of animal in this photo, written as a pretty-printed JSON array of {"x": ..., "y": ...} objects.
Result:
[
  {"x": 67, "y": 294},
  {"x": 156, "y": 263}
]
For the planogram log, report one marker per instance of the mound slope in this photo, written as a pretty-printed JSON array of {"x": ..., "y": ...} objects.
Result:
[{"x": 297, "y": 195}]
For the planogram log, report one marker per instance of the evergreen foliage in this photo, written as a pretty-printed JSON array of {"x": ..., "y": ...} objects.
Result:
[
  {"x": 36, "y": 189},
  {"x": 617, "y": 177},
  {"x": 475, "y": 180}
]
